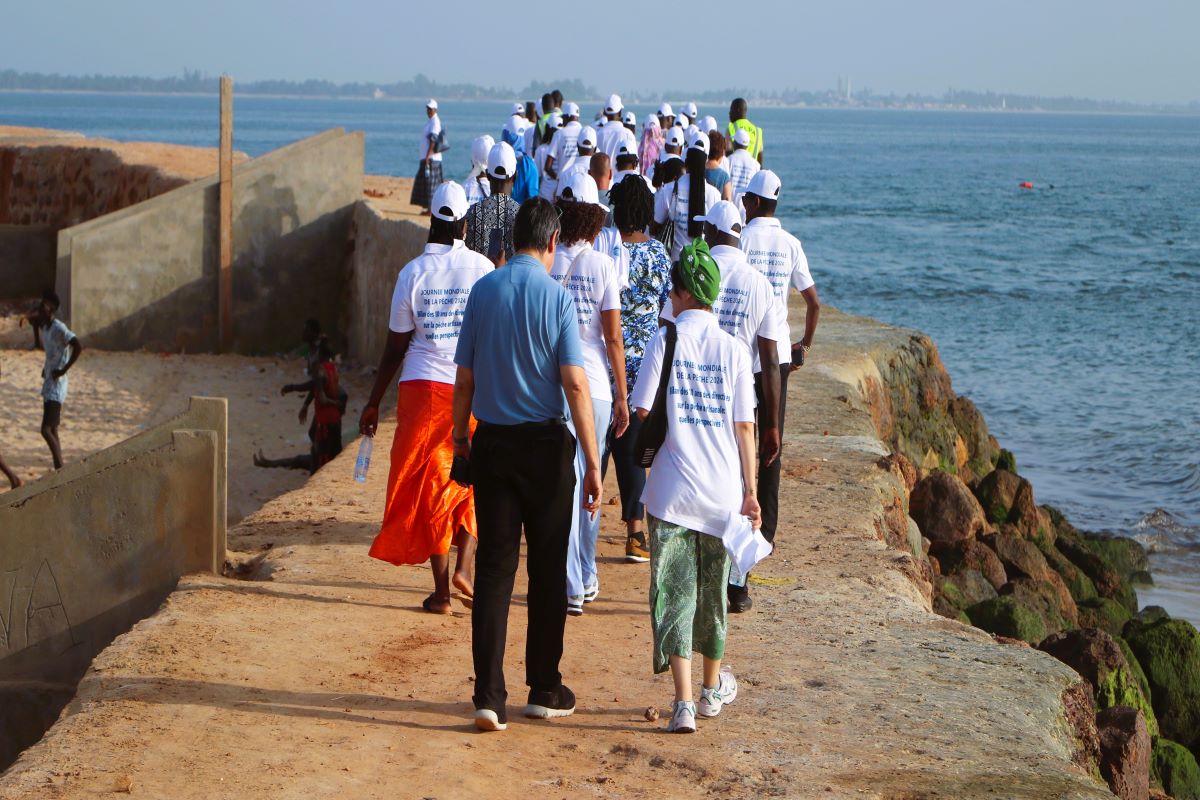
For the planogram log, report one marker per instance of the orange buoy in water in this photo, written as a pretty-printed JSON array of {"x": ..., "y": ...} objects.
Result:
[{"x": 1026, "y": 185}]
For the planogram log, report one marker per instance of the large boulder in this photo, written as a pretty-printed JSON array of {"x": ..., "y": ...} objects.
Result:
[
  {"x": 1109, "y": 583},
  {"x": 1097, "y": 656},
  {"x": 1176, "y": 769},
  {"x": 1045, "y": 600},
  {"x": 972, "y": 586},
  {"x": 945, "y": 510},
  {"x": 1008, "y": 498},
  {"x": 1078, "y": 583},
  {"x": 981, "y": 448},
  {"x": 1007, "y": 616},
  {"x": 1135, "y": 668},
  {"x": 1019, "y": 556},
  {"x": 1101, "y": 612},
  {"x": 1169, "y": 652},
  {"x": 972, "y": 554},
  {"x": 1124, "y": 752},
  {"x": 1126, "y": 556}
]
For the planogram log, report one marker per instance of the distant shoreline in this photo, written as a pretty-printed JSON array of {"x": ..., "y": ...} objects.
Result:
[{"x": 925, "y": 107}]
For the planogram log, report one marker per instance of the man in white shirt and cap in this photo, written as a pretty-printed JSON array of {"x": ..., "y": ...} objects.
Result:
[
  {"x": 778, "y": 255},
  {"x": 666, "y": 116},
  {"x": 429, "y": 171},
  {"x": 563, "y": 145},
  {"x": 614, "y": 133},
  {"x": 580, "y": 160},
  {"x": 627, "y": 163}
]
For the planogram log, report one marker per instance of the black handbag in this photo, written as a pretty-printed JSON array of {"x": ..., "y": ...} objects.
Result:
[
  {"x": 653, "y": 432},
  {"x": 666, "y": 233}
]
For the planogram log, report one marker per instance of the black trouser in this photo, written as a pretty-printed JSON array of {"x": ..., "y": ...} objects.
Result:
[
  {"x": 631, "y": 476},
  {"x": 524, "y": 475},
  {"x": 768, "y": 476}
]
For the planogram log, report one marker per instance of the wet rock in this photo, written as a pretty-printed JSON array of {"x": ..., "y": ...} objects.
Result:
[
  {"x": 1176, "y": 769},
  {"x": 1135, "y": 669},
  {"x": 1151, "y": 614},
  {"x": 1078, "y": 583},
  {"x": 973, "y": 554},
  {"x": 997, "y": 492},
  {"x": 1169, "y": 652},
  {"x": 945, "y": 510},
  {"x": 1097, "y": 657},
  {"x": 1123, "y": 554},
  {"x": 1101, "y": 612},
  {"x": 1006, "y": 461},
  {"x": 1109, "y": 583},
  {"x": 1124, "y": 752},
  {"x": 1007, "y": 616}
]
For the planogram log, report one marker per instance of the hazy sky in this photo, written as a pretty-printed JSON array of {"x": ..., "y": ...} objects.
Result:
[{"x": 1142, "y": 51}]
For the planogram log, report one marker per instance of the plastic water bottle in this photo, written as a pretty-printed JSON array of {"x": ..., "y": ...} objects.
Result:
[{"x": 363, "y": 462}]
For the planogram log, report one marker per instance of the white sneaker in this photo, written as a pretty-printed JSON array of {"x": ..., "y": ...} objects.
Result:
[
  {"x": 683, "y": 717},
  {"x": 487, "y": 720},
  {"x": 575, "y": 605},
  {"x": 713, "y": 700},
  {"x": 590, "y": 593}
]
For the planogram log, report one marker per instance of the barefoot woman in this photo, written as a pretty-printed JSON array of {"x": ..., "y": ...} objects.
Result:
[{"x": 426, "y": 512}]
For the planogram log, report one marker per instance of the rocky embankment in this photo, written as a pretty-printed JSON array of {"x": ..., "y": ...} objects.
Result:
[{"x": 999, "y": 561}]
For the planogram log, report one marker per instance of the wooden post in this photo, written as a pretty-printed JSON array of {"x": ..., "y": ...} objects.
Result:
[{"x": 225, "y": 219}]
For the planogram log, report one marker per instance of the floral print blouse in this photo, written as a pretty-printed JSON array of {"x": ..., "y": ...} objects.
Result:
[{"x": 642, "y": 301}]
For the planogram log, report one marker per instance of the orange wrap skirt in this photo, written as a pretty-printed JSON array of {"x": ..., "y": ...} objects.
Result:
[{"x": 424, "y": 508}]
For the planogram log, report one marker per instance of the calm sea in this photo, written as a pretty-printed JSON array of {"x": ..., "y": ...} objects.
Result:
[{"x": 1070, "y": 313}]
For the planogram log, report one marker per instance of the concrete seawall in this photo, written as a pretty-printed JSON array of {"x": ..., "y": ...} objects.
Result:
[
  {"x": 323, "y": 677},
  {"x": 96, "y": 547},
  {"x": 146, "y": 276}
]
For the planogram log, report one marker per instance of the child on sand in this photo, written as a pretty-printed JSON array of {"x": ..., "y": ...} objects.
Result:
[
  {"x": 702, "y": 477},
  {"x": 62, "y": 351}
]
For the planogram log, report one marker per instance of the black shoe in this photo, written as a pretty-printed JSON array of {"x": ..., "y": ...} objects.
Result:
[
  {"x": 739, "y": 599},
  {"x": 548, "y": 705}
]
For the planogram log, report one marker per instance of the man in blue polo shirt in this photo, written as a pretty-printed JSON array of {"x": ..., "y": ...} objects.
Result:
[{"x": 518, "y": 354}]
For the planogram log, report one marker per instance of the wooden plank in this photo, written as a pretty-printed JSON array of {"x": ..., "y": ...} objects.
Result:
[{"x": 225, "y": 218}]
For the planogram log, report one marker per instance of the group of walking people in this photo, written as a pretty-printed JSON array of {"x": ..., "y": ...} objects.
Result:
[{"x": 597, "y": 317}]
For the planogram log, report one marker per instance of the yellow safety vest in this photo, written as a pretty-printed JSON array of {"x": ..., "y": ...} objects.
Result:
[{"x": 755, "y": 146}]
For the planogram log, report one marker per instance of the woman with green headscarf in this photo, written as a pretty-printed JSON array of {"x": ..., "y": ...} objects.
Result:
[{"x": 701, "y": 483}]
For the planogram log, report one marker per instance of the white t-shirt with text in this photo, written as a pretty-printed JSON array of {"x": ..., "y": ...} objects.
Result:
[
  {"x": 429, "y": 300},
  {"x": 778, "y": 255},
  {"x": 564, "y": 147},
  {"x": 591, "y": 278},
  {"x": 746, "y": 307},
  {"x": 696, "y": 478}
]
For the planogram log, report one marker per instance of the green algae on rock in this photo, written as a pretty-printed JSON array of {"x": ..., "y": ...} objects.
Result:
[
  {"x": 1173, "y": 766},
  {"x": 1102, "y": 612},
  {"x": 1169, "y": 652},
  {"x": 1007, "y": 616}
]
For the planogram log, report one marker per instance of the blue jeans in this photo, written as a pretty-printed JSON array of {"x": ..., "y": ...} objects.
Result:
[{"x": 581, "y": 549}]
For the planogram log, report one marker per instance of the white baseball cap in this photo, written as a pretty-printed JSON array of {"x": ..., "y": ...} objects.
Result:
[
  {"x": 675, "y": 137},
  {"x": 630, "y": 118},
  {"x": 581, "y": 187},
  {"x": 614, "y": 104},
  {"x": 570, "y": 110},
  {"x": 741, "y": 136},
  {"x": 449, "y": 202},
  {"x": 725, "y": 217},
  {"x": 432, "y": 104},
  {"x": 665, "y": 110},
  {"x": 699, "y": 141},
  {"x": 652, "y": 121},
  {"x": 765, "y": 184},
  {"x": 516, "y": 125},
  {"x": 480, "y": 147},
  {"x": 708, "y": 124},
  {"x": 502, "y": 161},
  {"x": 587, "y": 138},
  {"x": 555, "y": 121},
  {"x": 518, "y": 108},
  {"x": 682, "y": 120},
  {"x": 623, "y": 149},
  {"x": 691, "y": 110}
]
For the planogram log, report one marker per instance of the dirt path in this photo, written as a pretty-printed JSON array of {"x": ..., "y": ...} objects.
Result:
[{"x": 324, "y": 679}]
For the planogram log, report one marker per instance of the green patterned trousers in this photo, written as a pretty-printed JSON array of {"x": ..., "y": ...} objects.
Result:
[{"x": 688, "y": 574}]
